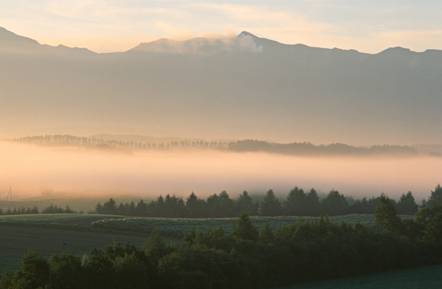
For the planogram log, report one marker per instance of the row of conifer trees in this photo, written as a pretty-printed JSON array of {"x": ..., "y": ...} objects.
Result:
[{"x": 297, "y": 203}]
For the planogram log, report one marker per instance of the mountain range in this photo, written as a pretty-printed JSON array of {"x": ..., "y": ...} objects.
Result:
[{"x": 238, "y": 87}]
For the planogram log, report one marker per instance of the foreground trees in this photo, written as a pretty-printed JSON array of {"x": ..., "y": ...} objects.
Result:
[
  {"x": 386, "y": 215},
  {"x": 246, "y": 258}
]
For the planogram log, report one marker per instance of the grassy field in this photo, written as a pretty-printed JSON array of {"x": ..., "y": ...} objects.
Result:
[
  {"x": 80, "y": 233},
  {"x": 421, "y": 278},
  {"x": 177, "y": 227},
  {"x": 15, "y": 241},
  {"x": 52, "y": 234}
]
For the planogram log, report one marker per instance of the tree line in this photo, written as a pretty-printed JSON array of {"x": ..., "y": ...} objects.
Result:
[
  {"x": 249, "y": 257},
  {"x": 319, "y": 150},
  {"x": 51, "y": 209},
  {"x": 297, "y": 203},
  {"x": 138, "y": 143}
]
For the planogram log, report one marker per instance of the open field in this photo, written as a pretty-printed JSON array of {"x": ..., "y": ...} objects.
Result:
[
  {"x": 16, "y": 240},
  {"x": 176, "y": 227},
  {"x": 80, "y": 233},
  {"x": 52, "y": 234},
  {"x": 167, "y": 226},
  {"x": 420, "y": 278}
]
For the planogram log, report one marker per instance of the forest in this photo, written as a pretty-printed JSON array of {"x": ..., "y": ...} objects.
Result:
[
  {"x": 248, "y": 257},
  {"x": 297, "y": 203},
  {"x": 51, "y": 209}
]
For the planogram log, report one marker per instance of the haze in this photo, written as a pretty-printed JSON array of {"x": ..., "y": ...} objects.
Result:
[{"x": 32, "y": 170}]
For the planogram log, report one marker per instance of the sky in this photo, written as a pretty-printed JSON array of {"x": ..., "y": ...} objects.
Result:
[{"x": 117, "y": 25}]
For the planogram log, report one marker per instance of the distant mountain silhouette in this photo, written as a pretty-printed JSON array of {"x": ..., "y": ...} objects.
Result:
[
  {"x": 15, "y": 44},
  {"x": 11, "y": 40},
  {"x": 239, "y": 87}
]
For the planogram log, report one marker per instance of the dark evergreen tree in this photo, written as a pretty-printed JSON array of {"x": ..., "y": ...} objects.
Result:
[
  {"x": 140, "y": 208},
  {"x": 226, "y": 204},
  {"x": 195, "y": 207},
  {"x": 335, "y": 204},
  {"x": 430, "y": 220},
  {"x": 213, "y": 207},
  {"x": 245, "y": 230},
  {"x": 270, "y": 205},
  {"x": 312, "y": 203},
  {"x": 220, "y": 205},
  {"x": 296, "y": 203},
  {"x": 386, "y": 215},
  {"x": 436, "y": 197},
  {"x": 110, "y": 207},
  {"x": 407, "y": 205},
  {"x": 245, "y": 205}
]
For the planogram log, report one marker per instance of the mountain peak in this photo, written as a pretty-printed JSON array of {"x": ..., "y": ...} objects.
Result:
[
  {"x": 246, "y": 34},
  {"x": 245, "y": 42},
  {"x": 397, "y": 51}
]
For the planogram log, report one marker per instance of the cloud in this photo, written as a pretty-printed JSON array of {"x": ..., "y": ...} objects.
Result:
[{"x": 283, "y": 25}]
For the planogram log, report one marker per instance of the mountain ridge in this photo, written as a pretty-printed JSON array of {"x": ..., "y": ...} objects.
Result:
[
  {"x": 242, "y": 34},
  {"x": 13, "y": 43},
  {"x": 246, "y": 88}
]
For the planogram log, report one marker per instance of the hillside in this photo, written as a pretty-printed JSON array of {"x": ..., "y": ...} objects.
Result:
[{"x": 243, "y": 87}]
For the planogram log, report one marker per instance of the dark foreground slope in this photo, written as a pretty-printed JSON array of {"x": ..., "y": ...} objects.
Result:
[
  {"x": 247, "y": 257},
  {"x": 80, "y": 233},
  {"x": 421, "y": 278}
]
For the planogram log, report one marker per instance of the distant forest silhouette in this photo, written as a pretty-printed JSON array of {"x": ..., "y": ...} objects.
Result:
[
  {"x": 296, "y": 148},
  {"x": 297, "y": 203},
  {"x": 51, "y": 209}
]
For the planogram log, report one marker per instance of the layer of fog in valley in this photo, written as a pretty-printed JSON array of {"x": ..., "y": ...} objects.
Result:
[{"x": 30, "y": 170}]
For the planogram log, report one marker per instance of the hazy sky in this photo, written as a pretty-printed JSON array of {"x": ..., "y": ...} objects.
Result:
[{"x": 110, "y": 25}]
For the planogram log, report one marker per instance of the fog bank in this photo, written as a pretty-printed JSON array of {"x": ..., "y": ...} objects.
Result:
[{"x": 33, "y": 170}]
